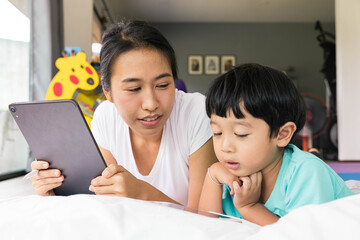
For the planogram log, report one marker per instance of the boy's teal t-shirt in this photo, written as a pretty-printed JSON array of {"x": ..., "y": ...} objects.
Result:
[{"x": 303, "y": 179}]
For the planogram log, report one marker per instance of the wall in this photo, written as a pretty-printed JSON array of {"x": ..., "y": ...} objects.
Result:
[
  {"x": 348, "y": 78},
  {"x": 78, "y": 25},
  {"x": 279, "y": 45}
]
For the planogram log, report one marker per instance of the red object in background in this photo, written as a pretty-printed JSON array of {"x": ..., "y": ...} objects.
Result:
[
  {"x": 305, "y": 144},
  {"x": 317, "y": 120}
]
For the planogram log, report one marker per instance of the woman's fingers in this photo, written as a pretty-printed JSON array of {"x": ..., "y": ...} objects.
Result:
[
  {"x": 106, "y": 190},
  {"x": 39, "y": 165},
  {"x": 113, "y": 185},
  {"x": 51, "y": 173},
  {"x": 45, "y": 181},
  {"x": 118, "y": 184},
  {"x": 44, "y": 185},
  {"x": 101, "y": 181},
  {"x": 112, "y": 169},
  {"x": 46, "y": 190},
  {"x": 118, "y": 178}
]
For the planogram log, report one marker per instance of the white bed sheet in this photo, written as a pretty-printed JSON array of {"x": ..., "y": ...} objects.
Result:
[
  {"x": 338, "y": 220},
  {"x": 104, "y": 217},
  {"x": 24, "y": 215}
]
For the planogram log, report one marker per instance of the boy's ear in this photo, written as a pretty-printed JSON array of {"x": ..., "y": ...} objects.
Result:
[
  {"x": 108, "y": 95},
  {"x": 285, "y": 134}
]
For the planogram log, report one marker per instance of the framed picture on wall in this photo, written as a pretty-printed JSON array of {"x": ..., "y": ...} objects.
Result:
[
  {"x": 227, "y": 62},
  {"x": 195, "y": 65},
  {"x": 211, "y": 65}
]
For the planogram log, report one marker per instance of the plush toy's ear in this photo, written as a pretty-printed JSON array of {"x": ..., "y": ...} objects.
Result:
[
  {"x": 81, "y": 56},
  {"x": 60, "y": 63},
  {"x": 285, "y": 134},
  {"x": 108, "y": 95}
]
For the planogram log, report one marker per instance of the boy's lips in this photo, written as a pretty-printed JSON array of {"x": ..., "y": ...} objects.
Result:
[{"x": 232, "y": 165}]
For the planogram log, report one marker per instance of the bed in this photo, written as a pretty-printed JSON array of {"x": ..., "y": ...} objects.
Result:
[{"x": 24, "y": 215}]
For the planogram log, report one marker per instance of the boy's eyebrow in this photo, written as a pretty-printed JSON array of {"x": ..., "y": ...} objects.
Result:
[
  {"x": 126, "y": 80},
  {"x": 237, "y": 122},
  {"x": 244, "y": 123}
]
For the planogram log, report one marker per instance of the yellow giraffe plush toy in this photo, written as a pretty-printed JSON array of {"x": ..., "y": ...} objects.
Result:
[{"x": 76, "y": 79}]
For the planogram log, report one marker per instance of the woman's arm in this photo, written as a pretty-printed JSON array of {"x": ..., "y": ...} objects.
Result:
[
  {"x": 199, "y": 162},
  {"x": 116, "y": 180}
]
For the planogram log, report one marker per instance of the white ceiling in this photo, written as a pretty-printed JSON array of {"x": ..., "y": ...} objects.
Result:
[{"x": 221, "y": 10}]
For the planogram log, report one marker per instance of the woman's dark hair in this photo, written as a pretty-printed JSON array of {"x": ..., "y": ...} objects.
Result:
[
  {"x": 128, "y": 35},
  {"x": 266, "y": 94}
]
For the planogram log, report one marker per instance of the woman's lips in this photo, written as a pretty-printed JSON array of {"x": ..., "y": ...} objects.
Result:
[
  {"x": 150, "y": 121},
  {"x": 232, "y": 165}
]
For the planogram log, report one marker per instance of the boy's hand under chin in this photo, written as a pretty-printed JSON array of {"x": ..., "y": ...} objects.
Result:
[
  {"x": 248, "y": 193},
  {"x": 222, "y": 175}
]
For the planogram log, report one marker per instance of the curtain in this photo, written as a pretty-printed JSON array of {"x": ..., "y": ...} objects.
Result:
[{"x": 46, "y": 44}]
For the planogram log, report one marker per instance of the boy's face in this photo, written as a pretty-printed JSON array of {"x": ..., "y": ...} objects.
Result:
[{"x": 243, "y": 146}]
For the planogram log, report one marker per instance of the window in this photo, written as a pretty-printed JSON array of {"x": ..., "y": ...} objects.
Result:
[{"x": 14, "y": 79}]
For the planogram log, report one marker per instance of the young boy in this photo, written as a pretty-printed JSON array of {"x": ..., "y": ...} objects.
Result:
[{"x": 255, "y": 111}]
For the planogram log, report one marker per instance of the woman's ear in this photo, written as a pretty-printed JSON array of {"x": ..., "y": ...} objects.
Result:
[
  {"x": 108, "y": 95},
  {"x": 285, "y": 134}
]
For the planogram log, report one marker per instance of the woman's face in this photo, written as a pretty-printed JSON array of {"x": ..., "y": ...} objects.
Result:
[{"x": 143, "y": 90}]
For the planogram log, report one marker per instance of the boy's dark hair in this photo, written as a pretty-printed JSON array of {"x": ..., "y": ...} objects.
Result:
[
  {"x": 266, "y": 93},
  {"x": 128, "y": 35}
]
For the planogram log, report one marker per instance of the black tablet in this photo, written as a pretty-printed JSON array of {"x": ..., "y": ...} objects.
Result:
[{"x": 57, "y": 132}]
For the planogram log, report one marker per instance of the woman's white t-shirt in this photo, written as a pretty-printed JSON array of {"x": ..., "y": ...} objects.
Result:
[{"x": 186, "y": 130}]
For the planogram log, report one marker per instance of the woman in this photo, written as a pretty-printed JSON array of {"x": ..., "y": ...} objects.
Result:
[{"x": 155, "y": 140}]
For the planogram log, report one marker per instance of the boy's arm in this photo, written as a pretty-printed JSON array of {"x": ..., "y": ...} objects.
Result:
[
  {"x": 211, "y": 195},
  {"x": 258, "y": 214},
  {"x": 246, "y": 200}
]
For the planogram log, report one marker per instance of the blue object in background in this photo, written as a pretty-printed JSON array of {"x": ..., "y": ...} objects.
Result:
[
  {"x": 72, "y": 51},
  {"x": 349, "y": 176},
  {"x": 349, "y": 170},
  {"x": 180, "y": 85}
]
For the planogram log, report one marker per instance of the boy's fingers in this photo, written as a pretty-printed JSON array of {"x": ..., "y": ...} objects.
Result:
[
  {"x": 236, "y": 187},
  {"x": 246, "y": 182},
  {"x": 229, "y": 182},
  {"x": 254, "y": 178},
  {"x": 259, "y": 178}
]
